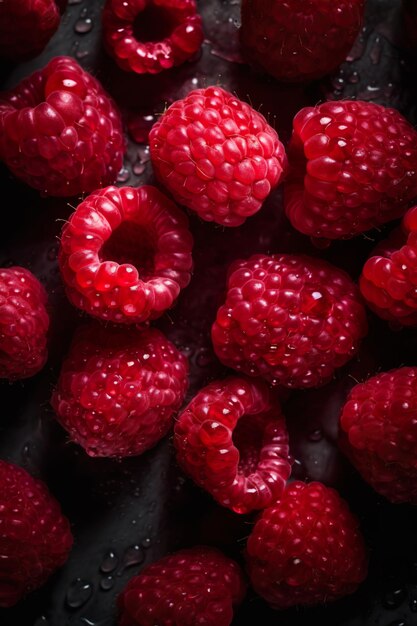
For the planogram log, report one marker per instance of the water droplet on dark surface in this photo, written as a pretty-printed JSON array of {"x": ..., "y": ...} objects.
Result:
[
  {"x": 79, "y": 592},
  {"x": 413, "y": 605},
  {"x": 138, "y": 168},
  {"x": 394, "y": 598},
  {"x": 109, "y": 563},
  {"x": 107, "y": 583},
  {"x": 123, "y": 175},
  {"x": 316, "y": 435},
  {"x": 398, "y": 622},
  {"x": 146, "y": 543},
  {"x": 83, "y": 25},
  {"x": 143, "y": 154},
  {"x": 133, "y": 556}
]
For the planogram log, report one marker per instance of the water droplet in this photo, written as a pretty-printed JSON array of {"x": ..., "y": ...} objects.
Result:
[
  {"x": 354, "y": 78},
  {"x": 394, "y": 598},
  {"x": 398, "y": 622},
  {"x": 83, "y": 12},
  {"x": 132, "y": 556},
  {"x": 413, "y": 605},
  {"x": 143, "y": 154},
  {"x": 375, "y": 54},
  {"x": 123, "y": 175},
  {"x": 107, "y": 583},
  {"x": 316, "y": 435},
  {"x": 79, "y": 592},
  {"x": 83, "y": 25},
  {"x": 146, "y": 543},
  {"x": 109, "y": 563},
  {"x": 138, "y": 168}
]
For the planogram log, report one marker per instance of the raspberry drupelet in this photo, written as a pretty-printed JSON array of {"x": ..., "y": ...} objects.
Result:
[
  {"x": 60, "y": 132},
  {"x": 125, "y": 254},
  {"x": 24, "y": 324},
  {"x": 378, "y": 432},
  {"x": 353, "y": 167},
  {"x": 306, "y": 549},
  {"x": 299, "y": 41},
  {"x": 389, "y": 277},
  {"x": 149, "y": 36},
  {"x": 195, "y": 586},
  {"x": 232, "y": 440},
  {"x": 291, "y": 319},
  {"x": 217, "y": 155},
  {"x": 35, "y": 537},
  {"x": 119, "y": 389}
]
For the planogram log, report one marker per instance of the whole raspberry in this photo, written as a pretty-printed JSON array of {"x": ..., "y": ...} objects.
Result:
[
  {"x": 195, "y": 586},
  {"x": 306, "y": 549},
  {"x": 233, "y": 442},
  {"x": 217, "y": 155},
  {"x": 378, "y": 432},
  {"x": 291, "y": 319},
  {"x": 60, "y": 132},
  {"x": 299, "y": 41},
  {"x": 35, "y": 538},
  {"x": 353, "y": 166},
  {"x": 24, "y": 324},
  {"x": 389, "y": 277},
  {"x": 126, "y": 254},
  {"x": 119, "y": 389},
  {"x": 149, "y": 36},
  {"x": 26, "y": 26}
]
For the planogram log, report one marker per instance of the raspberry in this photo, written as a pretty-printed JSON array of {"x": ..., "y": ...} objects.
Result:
[
  {"x": 298, "y": 42},
  {"x": 60, "y": 132},
  {"x": 353, "y": 167},
  {"x": 119, "y": 388},
  {"x": 291, "y": 319},
  {"x": 378, "y": 432},
  {"x": 195, "y": 586},
  {"x": 26, "y": 26},
  {"x": 35, "y": 538},
  {"x": 306, "y": 549},
  {"x": 125, "y": 254},
  {"x": 232, "y": 440},
  {"x": 24, "y": 323},
  {"x": 389, "y": 277},
  {"x": 217, "y": 155},
  {"x": 149, "y": 36}
]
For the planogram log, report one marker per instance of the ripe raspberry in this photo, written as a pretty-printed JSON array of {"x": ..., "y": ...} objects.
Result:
[
  {"x": 35, "y": 538},
  {"x": 298, "y": 42},
  {"x": 306, "y": 549},
  {"x": 353, "y": 167},
  {"x": 291, "y": 319},
  {"x": 24, "y": 323},
  {"x": 232, "y": 440},
  {"x": 126, "y": 254},
  {"x": 389, "y": 277},
  {"x": 378, "y": 432},
  {"x": 217, "y": 155},
  {"x": 26, "y": 26},
  {"x": 60, "y": 132},
  {"x": 119, "y": 388},
  {"x": 149, "y": 36},
  {"x": 195, "y": 586}
]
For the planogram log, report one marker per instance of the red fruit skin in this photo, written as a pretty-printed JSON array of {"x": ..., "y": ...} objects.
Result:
[
  {"x": 178, "y": 33},
  {"x": 306, "y": 549},
  {"x": 232, "y": 440},
  {"x": 35, "y": 538},
  {"x": 195, "y": 586},
  {"x": 291, "y": 319},
  {"x": 24, "y": 324},
  {"x": 378, "y": 432},
  {"x": 216, "y": 155},
  {"x": 119, "y": 388},
  {"x": 353, "y": 166},
  {"x": 389, "y": 277},
  {"x": 26, "y": 26},
  {"x": 299, "y": 42},
  {"x": 60, "y": 132},
  {"x": 125, "y": 254}
]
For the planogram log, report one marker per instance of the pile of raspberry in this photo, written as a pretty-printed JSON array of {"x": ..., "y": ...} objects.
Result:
[{"x": 286, "y": 321}]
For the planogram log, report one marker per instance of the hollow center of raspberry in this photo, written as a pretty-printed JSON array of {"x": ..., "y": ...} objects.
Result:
[
  {"x": 132, "y": 243},
  {"x": 248, "y": 439},
  {"x": 153, "y": 24}
]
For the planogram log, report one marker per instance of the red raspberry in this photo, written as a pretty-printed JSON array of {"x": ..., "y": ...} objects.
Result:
[
  {"x": 195, "y": 586},
  {"x": 119, "y": 388},
  {"x": 232, "y": 440},
  {"x": 299, "y": 41},
  {"x": 353, "y": 167},
  {"x": 378, "y": 432},
  {"x": 26, "y": 26},
  {"x": 306, "y": 549},
  {"x": 291, "y": 319},
  {"x": 24, "y": 323},
  {"x": 60, "y": 132},
  {"x": 35, "y": 538},
  {"x": 389, "y": 277},
  {"x": 126, "y": 254},
  {"x": 217, "y": 155},
  {"x": 149, "y": 36}
]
